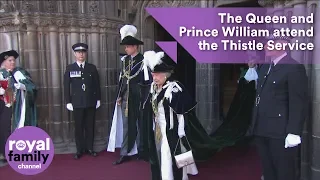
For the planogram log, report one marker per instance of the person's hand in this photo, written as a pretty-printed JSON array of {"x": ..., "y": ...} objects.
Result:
[
  {"x": 20, "y": 86},
  {"x": 2, "y": 91},
  {"x": 69, "y": 107},
  {"x": 292, "y": 141},
  {"x": 98, "y": 104},
  {"x": 119, "y": 100}
]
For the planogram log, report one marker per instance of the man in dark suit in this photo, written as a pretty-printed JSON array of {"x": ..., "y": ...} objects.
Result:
[
  {"x": 82, "y": 95},
  {"x": 279, "y": 113}
]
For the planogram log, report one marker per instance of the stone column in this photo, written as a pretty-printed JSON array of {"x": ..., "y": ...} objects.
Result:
[
  {"x": 55, "y": 109},
  {"x": 74, "y": 38},
  {"x": 112, "y": 68},
  {"x": 306, "y": 136},
  {"x": 315, "y": 137},
  {"x": 299, "y": 9},
  {"x": 208, "y": 95},
  {"x": 279, "y": 12}
]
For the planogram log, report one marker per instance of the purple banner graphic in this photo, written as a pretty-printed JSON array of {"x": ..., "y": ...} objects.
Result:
[
  {"x": 171, "y": 48},
  {"x": 226, "y": 35}
]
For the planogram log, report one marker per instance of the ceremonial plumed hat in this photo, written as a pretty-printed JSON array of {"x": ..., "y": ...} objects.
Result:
[
  {"x": 80, "y": 47},
  {"x": 6, "y": 54},
  {"x": 158, "y": 61},
  {"x": 128, "y": 35},
  {"x": 272, "y": 37}
]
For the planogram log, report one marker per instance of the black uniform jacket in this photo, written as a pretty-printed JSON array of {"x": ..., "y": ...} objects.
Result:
[
  {"x": 281, "y": 99},
  {"x": 82, "y": 88}
]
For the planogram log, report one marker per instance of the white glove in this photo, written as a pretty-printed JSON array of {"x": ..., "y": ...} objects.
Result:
[
  {"x": 251, "y": 74},
  {"x": 69, "y": 107},
  {"x": 292, "y": 141},
  {"x": 181, "y": 131},
  {"x": 98, "y": 104},
  {"x": 20, "y": 86},
  {"x": 2, "y": 91}
]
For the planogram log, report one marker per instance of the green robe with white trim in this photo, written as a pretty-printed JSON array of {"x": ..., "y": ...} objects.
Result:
[{"x": 30, "y": 98}]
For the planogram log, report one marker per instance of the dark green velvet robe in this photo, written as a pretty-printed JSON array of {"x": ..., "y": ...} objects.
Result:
[
  {"x": 30, "y": 98},
  {"x": 203, "y": 146},
  {"x": 239, "y": 116}
]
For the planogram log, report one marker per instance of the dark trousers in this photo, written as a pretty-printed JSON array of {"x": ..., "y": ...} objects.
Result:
[
  {"x": 278, "y": 163},
  {"x": 5, "y": 125},
  {"x": 84, "y": 120}
]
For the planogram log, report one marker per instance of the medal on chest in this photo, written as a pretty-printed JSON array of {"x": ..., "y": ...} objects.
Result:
[{"x": 75, "y": 74}]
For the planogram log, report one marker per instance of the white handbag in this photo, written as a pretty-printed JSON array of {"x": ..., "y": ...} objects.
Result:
[{"x": 183, "y": 159}]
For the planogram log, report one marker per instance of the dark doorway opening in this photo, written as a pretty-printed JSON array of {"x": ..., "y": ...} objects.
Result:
[
  {"x": 185, "y": 70},
  {"x": 230, "y": 73}
]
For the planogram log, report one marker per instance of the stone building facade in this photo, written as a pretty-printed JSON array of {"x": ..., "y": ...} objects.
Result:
[{"x": 44, "y": 31}]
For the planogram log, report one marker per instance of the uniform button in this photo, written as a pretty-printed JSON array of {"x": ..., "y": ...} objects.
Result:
[
  {"x": 82, "y": 78},
  {"x": 274, "y": 82},
  {"x": 261, "y": 86},
  {"x": 265, "y": 76},
  {"x": 279, "y": 115}
]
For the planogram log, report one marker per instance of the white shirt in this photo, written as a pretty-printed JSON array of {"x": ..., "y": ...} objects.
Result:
[
  {"x": 276, "y": 60},
  {"x": 83, "y": 63}
]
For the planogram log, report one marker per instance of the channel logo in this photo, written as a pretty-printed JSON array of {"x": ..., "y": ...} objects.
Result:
[{"x": 29, "y": 150}]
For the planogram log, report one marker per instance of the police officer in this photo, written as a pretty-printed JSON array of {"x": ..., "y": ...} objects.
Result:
[
  {"x": 279, "y": 112},
  {"x": 82, "y": 95}
]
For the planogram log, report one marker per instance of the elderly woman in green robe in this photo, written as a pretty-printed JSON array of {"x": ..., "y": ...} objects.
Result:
[{"x": 20, "y": 95}]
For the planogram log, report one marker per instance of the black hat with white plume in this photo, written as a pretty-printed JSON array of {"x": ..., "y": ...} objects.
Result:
[
  {"x": 158, "y": 61},
  {"x": 128, "y": 34}
]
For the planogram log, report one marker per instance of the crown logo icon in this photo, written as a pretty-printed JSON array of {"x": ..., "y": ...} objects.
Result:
[{"x": 21, "y": 145}]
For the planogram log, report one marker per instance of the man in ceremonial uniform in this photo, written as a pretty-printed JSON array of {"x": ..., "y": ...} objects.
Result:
[
  {"x": 82, "y": 95},
  {"x": 279, "y": 113},
  {"x": 134, "y": 85}
]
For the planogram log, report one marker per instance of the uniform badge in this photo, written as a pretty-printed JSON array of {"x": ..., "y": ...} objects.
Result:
[{"x": 75, "y": 74}]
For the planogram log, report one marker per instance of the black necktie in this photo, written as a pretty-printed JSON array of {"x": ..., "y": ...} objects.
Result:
[{"x": 81, "y": 66}]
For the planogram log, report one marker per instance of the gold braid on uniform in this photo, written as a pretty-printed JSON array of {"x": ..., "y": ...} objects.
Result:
[{"x": 126, "y": 74}]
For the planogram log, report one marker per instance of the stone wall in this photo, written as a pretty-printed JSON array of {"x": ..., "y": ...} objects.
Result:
[{"x": 43, "y": 33}]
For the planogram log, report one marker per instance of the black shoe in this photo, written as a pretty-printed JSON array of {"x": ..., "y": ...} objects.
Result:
[
  {"x": 92, "y": 153},
  {"x": 121, "y": 160},
  {"x": 77, "y": 156}
]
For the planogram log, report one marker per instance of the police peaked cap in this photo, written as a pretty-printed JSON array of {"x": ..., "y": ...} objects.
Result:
[
  {"x": 6, "y": 54},
  {"x": 80, "y": 47}
]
